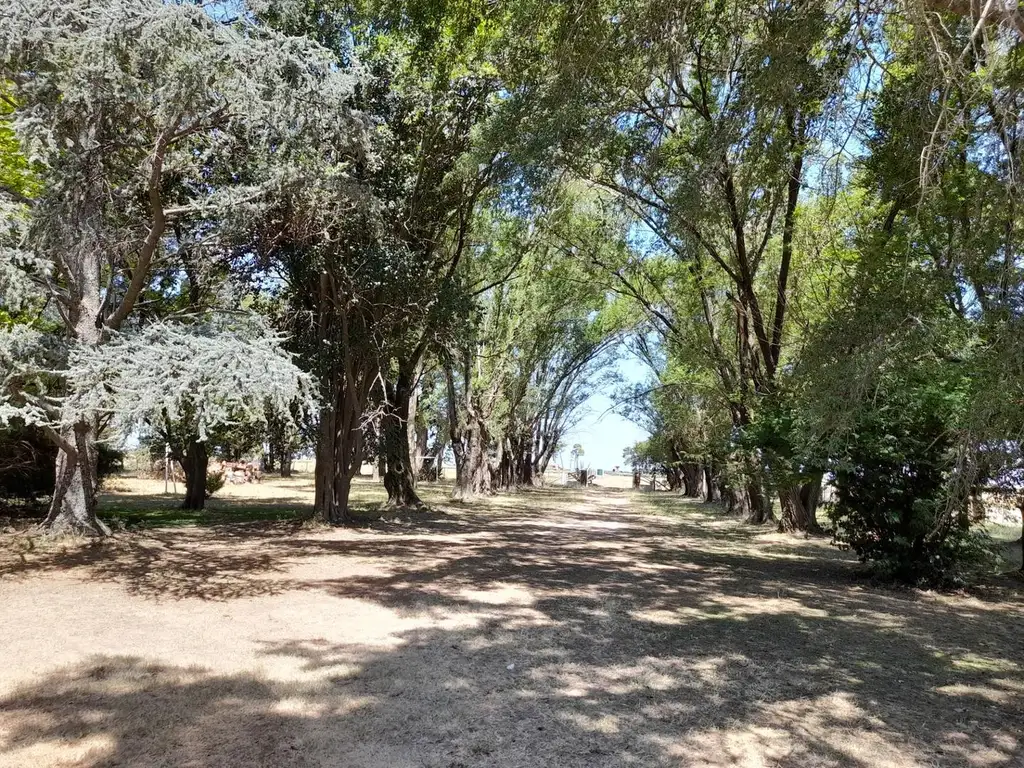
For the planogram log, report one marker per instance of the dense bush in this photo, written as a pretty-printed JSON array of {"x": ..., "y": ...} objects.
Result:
[
  {"x": 214, "y": 482},
  {"x": 27, "y": 463},
  {"x": 27, "y": 459},
  {"x": 891, "y": 504}
]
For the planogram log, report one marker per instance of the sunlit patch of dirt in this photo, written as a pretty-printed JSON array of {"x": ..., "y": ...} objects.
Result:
[{"x": 544, "y": 628}]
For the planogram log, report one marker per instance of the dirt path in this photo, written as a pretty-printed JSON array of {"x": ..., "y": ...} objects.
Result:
[{"x": 548, "y": 629}]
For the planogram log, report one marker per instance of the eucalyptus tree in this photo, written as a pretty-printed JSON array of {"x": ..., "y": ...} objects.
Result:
[
  {"x": 919, "y": 368},
  {"x": 128, "y": 113}
]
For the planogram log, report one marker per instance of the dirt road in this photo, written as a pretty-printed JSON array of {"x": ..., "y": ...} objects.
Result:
[{"x": 545, "y": 629}]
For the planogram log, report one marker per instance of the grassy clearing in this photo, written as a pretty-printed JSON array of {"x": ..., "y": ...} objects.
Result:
[{"x": 140, "y": 503}]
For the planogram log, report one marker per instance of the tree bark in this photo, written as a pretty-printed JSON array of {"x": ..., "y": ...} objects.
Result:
[
  {"x": 757, "y": 503},
  {"x": 338, "y": 456},
  {"x": 800, "y": 506},
  {"x": 195, "y": 465},
  {"x": 796, "y": 517},
  {"x": 73, "y": 506},
  {"x": 400, "y": 477},
  {"x": 286, "y": 464},
  {"x": 810, "y": 493},
  {"x": 693, "y": 475},
  {"x": 475, "y": 477},
  {"x": 345, "y": 387},
  {"x": 1020, "y": 506},
  {"x": 712, "y": 489}
]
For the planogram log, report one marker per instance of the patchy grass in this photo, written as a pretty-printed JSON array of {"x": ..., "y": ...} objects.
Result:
[
  {"x": 139, "y": 503},
  {"x": 545, "y": 628}
]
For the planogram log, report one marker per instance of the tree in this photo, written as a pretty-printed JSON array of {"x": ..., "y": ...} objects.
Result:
[
  {"x": 429, "y": 87},
  {"x": 535, "y": 349},
  {"x": 130, "y": 111},
  {"x": 187, "y": 380},
  {"x": 699, "y": 122}
]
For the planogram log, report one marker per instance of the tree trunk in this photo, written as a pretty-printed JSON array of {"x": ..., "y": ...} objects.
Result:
[
  {"x": 712, "y": 489},
  {"x": 73, "y": 506},
  {"x": 693, "y": 474},
  {"x": 459, "y": 452},
  {"x": 400, "y": 477},
  {"x": 333, "y": 485},
  {"x": 339, "y": 455},
  {"x": 286, "y": 464},
  {"x": 526, "y": 463},
  {"x": 810, "y": 494},
  {"x": 475, "y": 477},
  {"x": 758, "y": 504},
  {"x": 1020, "y": 506},
  {"x": 195, "y": 465},
  {"x": 795, "y": 514},
  {"x": 675, "y": 479},
  {"x": 333, "y": 471},
  {"x": 736, "y": 502}
]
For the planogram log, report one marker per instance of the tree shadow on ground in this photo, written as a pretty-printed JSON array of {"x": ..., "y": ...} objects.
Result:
[{"x": 555, "y": 634}]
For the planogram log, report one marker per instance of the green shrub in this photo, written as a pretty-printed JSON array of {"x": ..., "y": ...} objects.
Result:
[
  {"x": 27, "y": 463},
  {"x": 214, "y": 482},
  {"x": 891, "y": 493},
  {"x": 28, "y": 459}
]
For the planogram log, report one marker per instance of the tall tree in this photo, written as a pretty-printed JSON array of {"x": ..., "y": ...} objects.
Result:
[
  {"x": 700, "y": 119},
  {"x": 127, "y": 109}
]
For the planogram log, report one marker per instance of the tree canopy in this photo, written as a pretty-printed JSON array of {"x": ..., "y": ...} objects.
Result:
[{"x": 405, "y": 232}]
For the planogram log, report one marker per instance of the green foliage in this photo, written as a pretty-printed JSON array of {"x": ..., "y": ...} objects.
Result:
[
  {"x": 214, "y": 482},
  {"x": 27, "y": 462},
  {"x": 27, "y": 459},
  {"x": 893, "y": 506}
]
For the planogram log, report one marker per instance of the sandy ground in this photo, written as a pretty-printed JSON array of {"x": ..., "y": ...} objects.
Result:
[{"x": 550, "y": 628}]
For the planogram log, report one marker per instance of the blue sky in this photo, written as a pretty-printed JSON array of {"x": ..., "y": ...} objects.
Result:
[{"x": 602, "y": 433}]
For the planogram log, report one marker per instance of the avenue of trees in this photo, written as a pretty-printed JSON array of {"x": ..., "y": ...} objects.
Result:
[{"x": 395, "y": 231}]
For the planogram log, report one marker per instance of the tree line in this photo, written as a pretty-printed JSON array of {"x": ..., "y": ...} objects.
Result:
[{"x": 398, "y": 230}]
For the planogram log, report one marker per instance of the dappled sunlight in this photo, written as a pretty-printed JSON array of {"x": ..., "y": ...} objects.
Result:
[{"x": 523, "y": 630}]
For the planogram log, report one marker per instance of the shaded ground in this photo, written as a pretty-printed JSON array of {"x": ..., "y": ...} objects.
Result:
[{"x": 548, "y": 628}]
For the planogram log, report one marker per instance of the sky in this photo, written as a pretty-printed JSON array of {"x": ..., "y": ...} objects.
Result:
[{"x": 602, "y": 433}]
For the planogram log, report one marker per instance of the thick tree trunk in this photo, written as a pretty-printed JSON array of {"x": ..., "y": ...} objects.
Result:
[
  {"x": 286, "y": 464},
  {"x": 810, "y": 494},
  {"x": 333, "y": 472},
  {"x": 400, "y": 477},
  {"x": 339, "y": 455},
  {"x": 73, "y": 506},
  {"x": 196, "y": 462},
  {"x": 736, "y": 502},
  {"x": 693, "y": 475},
  {"x": 333, "y": 485},
  {"x": 712, "y": 489},
  {"x": 757, "y": 503},
  {"x": 675, "y": 479},
  {"x": 795, "y": 514},
  {"x": 475, "y": 477}
]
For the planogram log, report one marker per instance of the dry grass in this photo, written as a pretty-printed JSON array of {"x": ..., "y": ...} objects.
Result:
[{"x": 548, "y": 628}]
